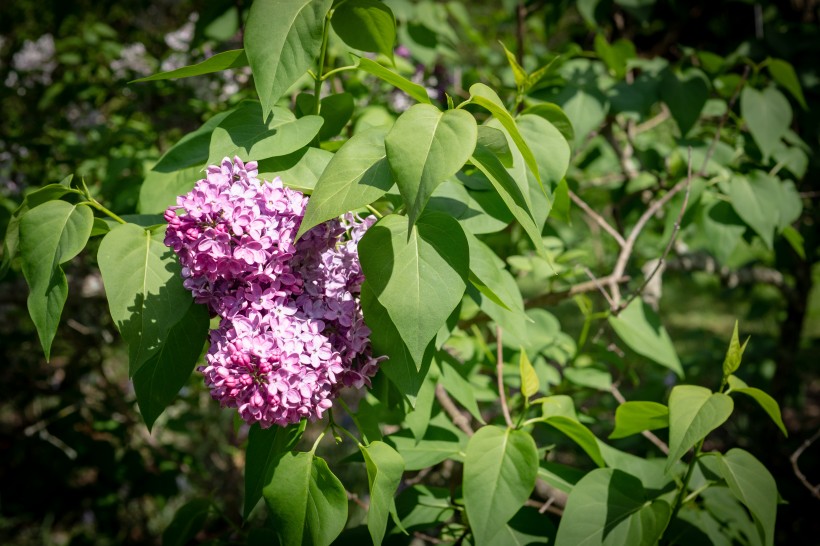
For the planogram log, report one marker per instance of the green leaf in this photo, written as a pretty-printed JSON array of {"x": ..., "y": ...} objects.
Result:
[
  {"x": 769, "y": 404},
  {"x": 187, "y": 522},
  {"x": 694, "y": 412},
  {"x": 143, "y": 284},
  {"x": 734, "y": 354},
  {"x": 414, "y": 90},
  {"x": 384, "y": 471},
  {"x": 518, "y": 71},
  {"x": 282, "y": 40},
  {"x": 425, "y": 147},
  {"x": 34, "y": 199},
  {"x": 417, "y": 275},
  {"x": 756, "y": 198},
  {"x": 336, "y": 110},
  {"x": 246, "y": 134},
  {"x": 458, "y": 387},
  {"x": 561, "y": 202},
  {"x": 438, "y": 444},
  {"x": 51, "y": 234},
  {"x": 487, "y": 274},
  {"x": 589, "y": 376},
  {"x": 639, "y": 327},
  {"x": 422, "y": 507},
  {"x": 510, "y": 193},
  {"x": 784, "y": 74},
  {"x": 299, "y": 170},
  {"x": 234, "y": 58},
  {"x": 792, "y": 236},
  {"x": 615, "y": 55},
  {"x": 526, "y": 528},
  {"x": 159, "y": 190},
  {"x": 768, "y": 115},
  {"x": 609, "y": 506},
  {"x": 578, "y": 433},
  {"x": 192, "y": 149},
  {"x": 635, "y": 417},
  {"x": 265, "y": 448},
  {"x": 685, "y": 94},
  {"x": 753, "y": 485},
  {"x": 367, "y": 25},
  {"x": 357, "y": 175},
  {"x": 307, "y": 502},
  {"x": 500, "y": 468},
  {"x": 529, "y": 379},
  {"x": 401, "y": 366},
  {"x": 556, "y": 116},
  {"x": 485, "y": 97},
  {"x": 158, "y": 381},
  {"x": 496, "y": 141},
  {"x": 586, "y": 107},
  {"x": 418, "y": 419}
]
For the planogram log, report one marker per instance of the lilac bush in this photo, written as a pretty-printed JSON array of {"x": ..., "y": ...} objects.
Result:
[{"x": 291, "y": 333}]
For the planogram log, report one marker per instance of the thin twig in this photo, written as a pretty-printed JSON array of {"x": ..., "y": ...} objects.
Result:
[
  {"x": 653, "y": 122},
  {"x": 355, "y": 498},
  {"x": 815, "y": 489},
  {"x": 722, "y": 121},
  {"x": 427, "y": 538},
  {"x": 662, "y": 261},
  {"x": 597, "y": 218},
  {"x": 458, "y": 418},
  {"x": 499, "y": 370},
  {"x": 646, "y": 433},
  {"x": 629, "y": 245},
  {"x": 624, "y": 153},
  {"x": 541, "y": 505},
  {"x": 599, "y": 286}
]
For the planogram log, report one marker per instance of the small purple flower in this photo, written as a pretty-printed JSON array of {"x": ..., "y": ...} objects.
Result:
[{"x": 292, "y": 333}]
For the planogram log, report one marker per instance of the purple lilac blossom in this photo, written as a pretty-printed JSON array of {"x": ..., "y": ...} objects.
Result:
[{"x": 291, "y": 333}]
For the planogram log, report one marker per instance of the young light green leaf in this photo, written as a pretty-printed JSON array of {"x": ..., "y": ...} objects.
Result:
[
  {"x": 414, "y": 90},
  {"x": 307, "y": 502},
  {"x": 559, "y": 404},
  {"x": 30, "y": 201},
  {"x": 187, "y": 522},
  {"x": 425, "y": 147},
  {"x": 51, "y": 234},
  {"x": 367, "y": 25},
  {"x": 784, "y": 74},
  {"x": 510, "y": 193},
  {"x": 485, "y": 97},
  {"x": 768, "y": 115},
  {"x": 299, "y": 170},
  {"x": 234, "y": 58},
  {"x": 282, "y": 40},
  {"x": 438, "y": 444},
  {"x": 769, "y": 404},
  {"x": 518, "y": 71},
  {"x": 635, "y": 417},
  {"x": 143, "y": 284},
  {"x": 418, "y": 275},
  {"x": 529, "y": 379},
  {"x": 639, "y": 327},
  {"x": 550, "y": 148},
  {"x": 756, "y": 198},
  {"x": 611, "y": 507},
  {"x": 265, "y": 448},
  {"x": 561, "y": 202},
  {"x": 753, "y": 485},
  {"x": 579, "y": 434},
  {"x": 357, "y": 175},
  {"x": 384, "y": 471},
  {"x": 246, "y": 134},
  {"x": 500, "y": 468},
  {"x": 694, "y": 412},
  {"x": 792, "y": 236},
  {"x": 158, "y": 381},
  {"x": 733, "y": 354}
]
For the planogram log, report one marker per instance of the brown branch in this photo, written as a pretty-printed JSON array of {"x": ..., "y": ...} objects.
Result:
[
  {"x": 597, "y": 218},
  {"x": 499, "y": 370},
  {"x": 624, "y": 153},
  {"x": 355, "y": 498},
  {"x": 675, "y": 230},
  {"x": 459, "y": 419},
  {"x": 598, "y": 285},
  {"x": 546, "y": 506},
  {"x": 588, "y": 286},
  {"x": 653, "y": 122},
  {"x": 815, "y": 489},
  {"x": 629, "y": 245},
  {"x": 646, "y": 433}
]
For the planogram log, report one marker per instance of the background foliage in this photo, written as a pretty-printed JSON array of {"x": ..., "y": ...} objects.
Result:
[{"x": 641, "y": 83}]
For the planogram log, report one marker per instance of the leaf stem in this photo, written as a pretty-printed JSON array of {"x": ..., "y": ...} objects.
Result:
[
  {"x": 338, "y": 70},
  {"x": 499, "y": 370},
  {"x": 317, "y": 86},
  {"x": 355, "y": 422},
  {"x": 96, "y": 204},
  {"x": 375, "y": 212},
  {"x": 679, "y": 500}
]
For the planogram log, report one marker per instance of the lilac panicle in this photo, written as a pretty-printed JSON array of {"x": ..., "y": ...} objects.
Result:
[{"x": 291, "y": 333}]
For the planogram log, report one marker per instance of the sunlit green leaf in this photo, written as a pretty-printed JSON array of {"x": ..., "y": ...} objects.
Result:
[
  {"x": 635, "y": 417},
  {"x": 694, "y": 412}
]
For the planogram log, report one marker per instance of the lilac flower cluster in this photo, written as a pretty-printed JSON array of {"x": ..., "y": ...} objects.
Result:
[{"x": 292, "y": 333}]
